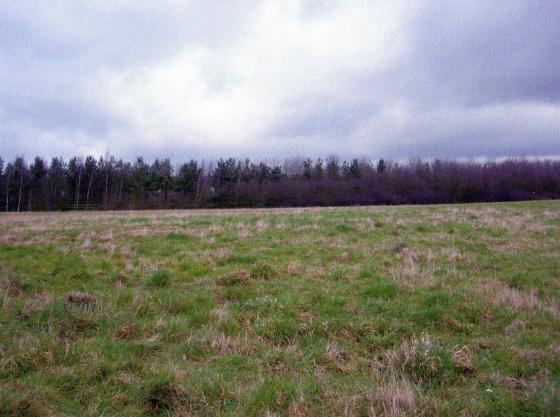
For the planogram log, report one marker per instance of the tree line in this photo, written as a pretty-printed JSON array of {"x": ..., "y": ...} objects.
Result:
[{"x": 108, "y": 183}]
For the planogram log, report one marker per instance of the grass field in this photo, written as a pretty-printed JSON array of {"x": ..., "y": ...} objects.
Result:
[{"x": 382, "y": 311}]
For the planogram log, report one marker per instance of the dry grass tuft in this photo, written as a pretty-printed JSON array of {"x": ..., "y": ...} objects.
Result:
[
  {"x": 299, "y": 409},
  {"x": 552, "y": 307},
  {"x": 222, "y": 344},
  {"x": 341, "y": 359},
  {"x": 126, "y": 378},
  {"x": 394, "y": 398},
  {"x": 219, "y": 343},
  {"x": 344, "y": 257},
  {"x": 79, "y": 299},
  {"x": 527, "y": 355},
  {"x": 262, "y": 226},
  {"x": 451, "y": 254},
  {"x": 463, "y": 359},
  {"x": 417, "y": 267},
  {"x": 220, "y": 314},
  {"x": 86, "y": 245},
  {"x": 34, "y": 303},
  {"x": 237, "y": 277},
  {"x": 293, "y": 268},
  {"x": 497, "y": 294},
  {"x": 10, "y": 285},
  {"x": 515, "y": 327},
  {"x": 417, "y": 358},
  {"x": 127, "y": 331},
  {"x": 243, "y": 231},
  {"x": 25, "y": 403}
]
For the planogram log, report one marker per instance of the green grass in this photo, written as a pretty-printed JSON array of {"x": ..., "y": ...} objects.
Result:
[
  {"x": 159, "y": 279},
  {"x": 383, "y": 311}
]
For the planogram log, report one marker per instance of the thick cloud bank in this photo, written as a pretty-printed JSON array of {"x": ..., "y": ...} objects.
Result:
[{"x": 275, "y": 78}]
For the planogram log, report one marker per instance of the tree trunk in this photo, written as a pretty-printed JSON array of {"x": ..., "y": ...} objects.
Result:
[
  {"x": 106, "y": 190},
  {"x": 197, "y": 190},
  {"x": 88, "y": 191},
  {"x": 20, "y": 189},
  {"x": 78, "y": 187},
  {"x": 53, "y": 199},
  {"x": 7, "y": 192},
  {"x": 238, "y": 185},
  {"x": 120, "y": 189}
]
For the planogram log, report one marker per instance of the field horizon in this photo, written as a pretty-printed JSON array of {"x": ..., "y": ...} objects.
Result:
[
  {"x": 221, "y": 211},
  {"x": 411, "y": 310}
]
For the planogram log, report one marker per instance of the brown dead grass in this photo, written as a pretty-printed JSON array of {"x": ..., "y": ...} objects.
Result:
[
  {"x": 416, "y": 268},
  {"x": 417, "y": 358},
  {"x": 220, "y": 314},
  {"x": 293, "y": 268},
  {"x": 262, "y": 226},
  {"x": 339, "y": 358},
  {"x": 237, "y": 277},
  {"x": 463, "y": 359},
  {"x": 222, "y": 344},
  {"x": 497, "y": 294},
  {"x": 79, "y": 299},
  {"x": 35, "y": 303},
  {"x": 394, "y": 398},
  {"x": 515, "y": 327},
  {"x": 10, "y": 285},
  {"x": 299, "y": 408},
  {"x": 127, "y": 331}
]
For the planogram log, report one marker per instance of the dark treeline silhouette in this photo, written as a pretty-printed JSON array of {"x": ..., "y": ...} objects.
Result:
[{"x": 112, "y": 184}]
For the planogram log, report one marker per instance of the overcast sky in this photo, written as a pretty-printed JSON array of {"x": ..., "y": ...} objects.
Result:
[{"x": 276, "y": 78}]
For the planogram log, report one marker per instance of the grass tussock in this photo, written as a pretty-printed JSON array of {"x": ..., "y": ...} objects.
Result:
[
  {"x": 159, "y": 396},
  {"x": 423, "y": 360},
  {"x": 159, "y": 279}
]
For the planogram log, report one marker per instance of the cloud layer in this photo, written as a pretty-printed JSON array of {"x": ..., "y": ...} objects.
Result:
[{"x": 278, "y": 78}]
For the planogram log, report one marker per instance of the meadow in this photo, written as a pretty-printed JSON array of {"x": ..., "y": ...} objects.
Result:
[{"x": 450, "y": 310}]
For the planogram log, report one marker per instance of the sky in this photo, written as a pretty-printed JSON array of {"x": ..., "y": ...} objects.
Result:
[{"x": 273, "y": 79}]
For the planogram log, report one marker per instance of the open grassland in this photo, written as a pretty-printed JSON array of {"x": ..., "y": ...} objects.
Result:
[{"x": 382, "y": 311}]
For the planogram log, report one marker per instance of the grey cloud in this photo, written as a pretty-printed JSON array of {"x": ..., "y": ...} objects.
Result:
[
  {"x": 459, "y": 57},
  {"x": 488, "y": 51},
  {"x": 468, "y": 54}
]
